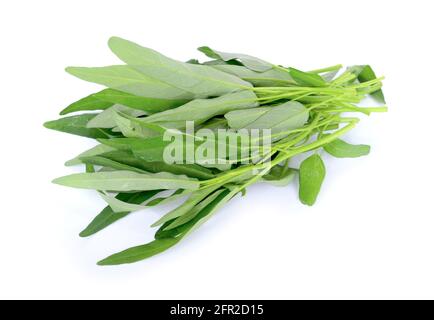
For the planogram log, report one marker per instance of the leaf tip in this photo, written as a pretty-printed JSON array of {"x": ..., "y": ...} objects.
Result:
[
  {"x": 85, "y": 233},
  {"x": 114, "y": 42},
  {"x": 48, "y": 124},
  {"x": 56, "y": 181},
  {"x": 102, "y": 263}
]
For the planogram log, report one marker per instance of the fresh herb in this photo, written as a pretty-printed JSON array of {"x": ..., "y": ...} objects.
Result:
[{"x": 155, "y": 108}]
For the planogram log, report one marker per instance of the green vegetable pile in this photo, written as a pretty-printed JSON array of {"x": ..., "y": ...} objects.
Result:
[{"x": 151, "y": 94}]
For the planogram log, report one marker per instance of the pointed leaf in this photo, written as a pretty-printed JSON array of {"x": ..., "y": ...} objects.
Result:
[
  {"x": 140, "y": 252},
  {"x": 99, "y": 149},
  {"x": 88, "y": 103},
  {"x": 106, "y": 119},
  {"x": 78, "y": 125},
  {"x": 127, "y": 181}
]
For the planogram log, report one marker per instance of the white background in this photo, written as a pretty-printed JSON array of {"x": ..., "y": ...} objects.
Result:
[{"x": 371, "y": 233}]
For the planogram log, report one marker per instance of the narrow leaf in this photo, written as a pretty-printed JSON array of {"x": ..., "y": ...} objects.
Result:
[
  {"x": 99, "y": 149},
  {"x": 106, "y": 119},
  {"x": 140, "y": 252},
  {"x": 127, "y": 181},
  {"x": 78, "y": 125},
  {"x": 191, "y": 214},
  {"x": 88, "y": 103},
  {"x": 188, "y": 205}
]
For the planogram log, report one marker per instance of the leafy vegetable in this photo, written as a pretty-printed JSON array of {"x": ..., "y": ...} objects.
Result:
[{"x": 202, "y": 133}]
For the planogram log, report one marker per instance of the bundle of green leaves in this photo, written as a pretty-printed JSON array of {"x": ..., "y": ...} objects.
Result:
[{"x": 151, "y": 94}]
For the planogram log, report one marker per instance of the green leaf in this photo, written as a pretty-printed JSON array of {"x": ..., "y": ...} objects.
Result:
[
  {"x": 119, "y": 205},
  {"x": 147, "y": 104},
  {"x": 248, "y": 61},
  {"x": 191, "y": 170},
  {"x": 127, "y": 181},
  {"x": 136, "y": 128},
  {"x": 127, "y": 79},
  {"x": 287, "y": 116},
  {"x": 88, "y": 103},
  {"x": 151, "y": 149},
  {"x": 188, "y": 205},
  {"x": 140, "y": 252},
  {"x": 200, "y": 110},
  {"x": 78, "y": 125},
  {"x": 106, "y": 119},
  {"x": 191, "y": 214},
  {"x": 99, "y": 149},
  {"x": 341, "y": 149},
  {"x": 269, "y": 78},
  {"x": 199, "y": 80},
  {"x": 312, "y": 173},
  {"x": 99, "y": 160},
  {"x": 307, "y": 78},
  {"x": 107, "y": 216},
  {"x": 198, "y": 220}
]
